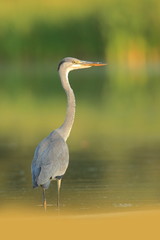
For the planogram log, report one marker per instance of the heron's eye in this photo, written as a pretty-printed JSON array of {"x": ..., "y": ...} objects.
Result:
[{"x": 75, "y": 62}]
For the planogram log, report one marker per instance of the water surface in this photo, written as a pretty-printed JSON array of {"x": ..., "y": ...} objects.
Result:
[{"x": 93, "y": 183}]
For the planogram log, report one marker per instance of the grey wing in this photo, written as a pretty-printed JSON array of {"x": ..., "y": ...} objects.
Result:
[
  {"x": 51, "y": 160},
  {"x": 35, "y": 167}
]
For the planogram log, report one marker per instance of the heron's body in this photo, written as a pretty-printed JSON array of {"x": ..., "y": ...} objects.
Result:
[
  {"x": 50, "y": 160},
  {"x": 51, "y": 156}
]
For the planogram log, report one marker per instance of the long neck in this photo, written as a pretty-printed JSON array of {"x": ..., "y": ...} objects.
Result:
[{"x": 66, "y": 127}]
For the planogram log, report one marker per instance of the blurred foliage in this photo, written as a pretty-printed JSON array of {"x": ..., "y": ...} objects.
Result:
[
  {"x": 47, "y": 40},
  {"x": 123, "y": 31},
  {"x": 36, "y": 35}
]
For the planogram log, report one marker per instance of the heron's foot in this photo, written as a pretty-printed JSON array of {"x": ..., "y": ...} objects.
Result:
[
  {"x": 44, "y": 199},
  {"x": 45, "y": 205},
  {"x": 58, "y": 192},
  {"x": 58, "y": 205}
]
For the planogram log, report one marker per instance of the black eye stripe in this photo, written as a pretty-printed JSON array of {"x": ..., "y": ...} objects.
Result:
[
  {"x": 73, "y": 61},
  {"x": 60, "y": 64}
]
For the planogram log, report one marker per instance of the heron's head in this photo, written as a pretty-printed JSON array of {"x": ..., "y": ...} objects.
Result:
[{"x": 70, "y": 64}]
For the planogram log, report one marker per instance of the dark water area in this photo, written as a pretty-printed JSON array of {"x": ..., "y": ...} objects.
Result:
[{"x": 93, "y": 183}]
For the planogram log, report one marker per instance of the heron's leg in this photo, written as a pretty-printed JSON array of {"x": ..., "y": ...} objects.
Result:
[
  {"x": 44, "y": 199},
  {"x": 58, "y": 191}
]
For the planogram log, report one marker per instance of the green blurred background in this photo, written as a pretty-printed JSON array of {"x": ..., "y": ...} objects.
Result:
[
  {"x": 117, "y": 115},
  {"x": 119, "y": 101}
]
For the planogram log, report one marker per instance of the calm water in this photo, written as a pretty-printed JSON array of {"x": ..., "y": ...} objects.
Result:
[{"x": 94, "y": 182}]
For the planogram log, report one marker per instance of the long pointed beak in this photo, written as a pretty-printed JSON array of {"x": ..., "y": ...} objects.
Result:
[{"x": 86, "y": 63}]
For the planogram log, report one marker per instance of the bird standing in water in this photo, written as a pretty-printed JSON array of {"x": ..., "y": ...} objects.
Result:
[{"x": 51, "y": 157}]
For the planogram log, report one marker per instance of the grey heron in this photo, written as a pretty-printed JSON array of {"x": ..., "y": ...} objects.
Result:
[{"x": 51, "y": 157}]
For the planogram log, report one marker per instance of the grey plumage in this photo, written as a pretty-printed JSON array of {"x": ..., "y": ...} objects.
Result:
[
  {"x": 50, "y": 160},
  {"x": 51, "y": 157}
]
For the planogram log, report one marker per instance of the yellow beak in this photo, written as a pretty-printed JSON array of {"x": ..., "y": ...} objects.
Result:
[{"x": 86, "y": 63}]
